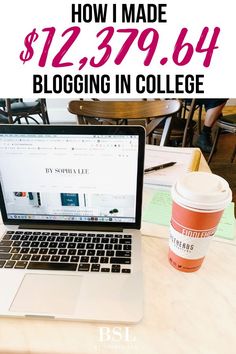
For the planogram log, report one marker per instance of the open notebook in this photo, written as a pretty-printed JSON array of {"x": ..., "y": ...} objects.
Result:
[{"x": 187, "y": 159}]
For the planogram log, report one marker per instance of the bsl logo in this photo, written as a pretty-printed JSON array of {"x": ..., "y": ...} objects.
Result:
[{"x": 115, "y": 334}]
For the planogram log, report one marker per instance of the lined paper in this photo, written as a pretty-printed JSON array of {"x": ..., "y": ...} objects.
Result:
[{"x": 187, "y": 159}]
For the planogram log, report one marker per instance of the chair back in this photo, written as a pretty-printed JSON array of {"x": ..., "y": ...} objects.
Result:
[
  {"x": 152, "y": 113},
  {"x": 226, "y": 123},
  {"x": 182, "y": 128},
  {"x": 3, "y": 118},
  {"x": 18, "y": 110},
  {"x": 189, "y": 121}
]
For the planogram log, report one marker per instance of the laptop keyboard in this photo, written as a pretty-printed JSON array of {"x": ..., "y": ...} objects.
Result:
[{"x": 71, "y": 251}]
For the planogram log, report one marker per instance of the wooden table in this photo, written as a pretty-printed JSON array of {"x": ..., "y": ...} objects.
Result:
[
  {"x": 148, "y": 113},
  {"x": 184, "y": 313}
]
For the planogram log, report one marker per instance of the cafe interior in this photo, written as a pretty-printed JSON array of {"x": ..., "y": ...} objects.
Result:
[
  {"x": 171, "y": 122},
  {"x": 181, "y": 312}
]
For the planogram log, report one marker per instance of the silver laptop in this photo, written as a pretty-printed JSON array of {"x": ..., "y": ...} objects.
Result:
[{"x": 71, "y": 200}]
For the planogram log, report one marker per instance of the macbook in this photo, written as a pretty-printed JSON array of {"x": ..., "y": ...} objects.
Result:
[{"x": 70, "y": 200}]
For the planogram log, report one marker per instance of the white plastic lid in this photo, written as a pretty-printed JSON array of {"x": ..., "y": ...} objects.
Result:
[{"x": 202, "y": 190}]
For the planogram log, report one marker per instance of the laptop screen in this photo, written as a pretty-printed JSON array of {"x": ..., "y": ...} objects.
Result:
[{"x": 72, "y": 174}]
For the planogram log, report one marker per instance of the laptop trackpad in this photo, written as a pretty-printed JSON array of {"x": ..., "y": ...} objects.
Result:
[{"x": 47, "y": 294}]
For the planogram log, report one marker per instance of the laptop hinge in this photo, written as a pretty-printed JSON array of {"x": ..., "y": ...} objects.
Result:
[{"x": 70, "y": 227}]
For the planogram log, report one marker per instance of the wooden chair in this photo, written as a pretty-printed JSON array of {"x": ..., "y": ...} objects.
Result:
[
  {"x": 19, "y": 111},
  {"x": 186, "y": 106},
  {"x": 227, "y": 123},
  {"x": 182, "y": 130},
  {"x": 3, "y": 118},
  {"x": 148, "y": 113}
]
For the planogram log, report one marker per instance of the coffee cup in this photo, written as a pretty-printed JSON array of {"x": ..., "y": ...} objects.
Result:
[{"x": 199, "y": 199}]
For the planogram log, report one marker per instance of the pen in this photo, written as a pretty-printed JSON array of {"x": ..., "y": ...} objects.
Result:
[{"x": 159, "y": 167}]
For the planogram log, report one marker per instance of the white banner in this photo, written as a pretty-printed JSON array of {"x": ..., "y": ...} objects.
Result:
[{"x": 120, "y": 49}]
